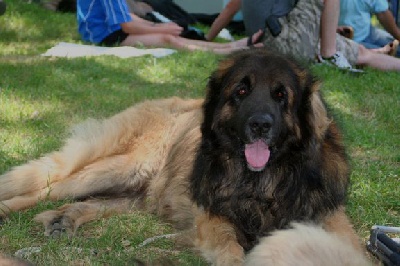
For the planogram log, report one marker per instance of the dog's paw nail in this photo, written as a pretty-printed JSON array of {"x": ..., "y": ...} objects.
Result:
[
  {"x": 56, "y": 226},
  {"x": 55, "y": 234}
]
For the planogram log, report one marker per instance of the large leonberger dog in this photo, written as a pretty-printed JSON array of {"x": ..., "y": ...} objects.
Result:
[{"x": 260, "y": 152}]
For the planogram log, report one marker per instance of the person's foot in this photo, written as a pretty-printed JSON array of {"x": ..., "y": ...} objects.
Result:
[
  {"x": 393, "y": 47},
  {"x": 337, "y": 60},
  {"x": 388, "y": 49}
]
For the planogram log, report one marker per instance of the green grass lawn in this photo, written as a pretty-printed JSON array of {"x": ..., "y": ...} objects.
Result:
[{"x": 42, "y": 97}]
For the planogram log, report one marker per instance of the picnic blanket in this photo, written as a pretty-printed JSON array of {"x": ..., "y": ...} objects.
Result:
[{"x": 64, "y": 49}]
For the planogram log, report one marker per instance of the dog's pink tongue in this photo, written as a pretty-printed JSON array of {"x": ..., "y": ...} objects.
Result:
[{"x": 257, "y": 154}]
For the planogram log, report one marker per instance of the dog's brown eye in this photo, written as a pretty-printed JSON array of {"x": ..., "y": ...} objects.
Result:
[
  {"x": 243, "y": 87},
  {"x": 242, "y": 90},
  {"x": 279, "y": 94}
]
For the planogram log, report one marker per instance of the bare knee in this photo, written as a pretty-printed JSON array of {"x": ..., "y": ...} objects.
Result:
[{"x": 172, "y": 41}]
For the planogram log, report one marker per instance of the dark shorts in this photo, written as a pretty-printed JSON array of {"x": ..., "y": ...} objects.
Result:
[{"x": 114, "y": 39}]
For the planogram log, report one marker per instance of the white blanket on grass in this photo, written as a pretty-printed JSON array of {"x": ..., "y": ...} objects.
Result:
[{"x": 71, "y": 50}]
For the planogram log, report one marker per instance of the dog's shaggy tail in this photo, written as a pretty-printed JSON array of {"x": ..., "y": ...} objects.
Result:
[{"x": 305, "y": 245}]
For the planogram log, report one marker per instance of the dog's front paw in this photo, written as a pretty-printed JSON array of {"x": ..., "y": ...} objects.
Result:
[
  {"x": 56, "y": 223},
  {"x": 233, "y": 255},
  {"x": 217, "y": 241}
]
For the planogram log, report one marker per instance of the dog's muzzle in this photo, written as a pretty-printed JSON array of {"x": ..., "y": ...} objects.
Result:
[{"x": 258, "y": 126}]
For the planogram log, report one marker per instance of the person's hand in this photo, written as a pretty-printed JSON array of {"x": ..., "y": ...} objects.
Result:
[{"x": 170, "y": 28}]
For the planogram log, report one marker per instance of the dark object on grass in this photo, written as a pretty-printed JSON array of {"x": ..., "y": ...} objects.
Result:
[
  {"x": 67, "y": 6},
  {"x": 188, "y": 32},
  {"x": 167, "y": 11},
  {"x": 383, "y": 247},
  {"x": 3, "y": 7},
  {"x": 235, "y": 27},
  {"x": 171, "y": 10},
  {"x": 59, "y": 5}
]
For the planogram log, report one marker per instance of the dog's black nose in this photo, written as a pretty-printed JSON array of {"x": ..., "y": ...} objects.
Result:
[{"x": 259, "y": 124}]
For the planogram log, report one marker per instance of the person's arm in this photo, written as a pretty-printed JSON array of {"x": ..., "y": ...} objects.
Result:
[
  {"x": 389, "y": 24},
  {"x": 223, "y": 19},
  {"x": 329, "y": 22},
  {"x": 139, "y": 26},
  {"x": 142, "y": 20}
]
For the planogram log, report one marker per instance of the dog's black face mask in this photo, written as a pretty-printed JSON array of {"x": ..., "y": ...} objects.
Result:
[
  {"x": 258, "y": 118},
  {"x": 256, "y": 110}
]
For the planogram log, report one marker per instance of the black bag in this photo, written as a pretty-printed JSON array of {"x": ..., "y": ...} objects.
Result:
[{"x": 173, "y": 12}]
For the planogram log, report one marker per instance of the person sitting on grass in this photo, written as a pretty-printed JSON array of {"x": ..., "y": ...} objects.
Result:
[
  {"x": 310, "y": 29},
  {"x": 109, "y": 23},
  {"x": 358, "y": 14}
]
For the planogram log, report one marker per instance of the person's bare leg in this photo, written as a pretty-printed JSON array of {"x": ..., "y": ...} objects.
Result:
[
  {"x": 239, "y": 44},
  {"x": 219, "y": 48},
  {"x": 382, "y": 50},
  {"x": 376, "y": 60},
  {"x": 164, "y": 40},
  {"x": 156, "y": 40},
  {"x": 329, "y": 23},
  {"x": 169, "y": 41}
]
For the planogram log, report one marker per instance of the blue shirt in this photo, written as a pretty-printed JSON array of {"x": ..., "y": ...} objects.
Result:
[
  {"x": 357, "y": 14},
  {"x": 99, "y": 18}
]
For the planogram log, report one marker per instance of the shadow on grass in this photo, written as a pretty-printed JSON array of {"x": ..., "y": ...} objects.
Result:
[{"x": 42, "y": 97}]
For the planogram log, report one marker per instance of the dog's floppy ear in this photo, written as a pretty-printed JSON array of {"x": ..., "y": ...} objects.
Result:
[
  {"x": 214, "y": 93},
  {"x": 312, "y": 109},
  {"x": 318, "y": 115}
]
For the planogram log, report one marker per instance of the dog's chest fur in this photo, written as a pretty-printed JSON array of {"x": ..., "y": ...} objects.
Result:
[{"x": 259, "y": 202}]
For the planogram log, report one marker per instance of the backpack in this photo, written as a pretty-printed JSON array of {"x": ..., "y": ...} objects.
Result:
[
  {"x": 171, "y": 10},
  {"x": 167, "y": 10}
]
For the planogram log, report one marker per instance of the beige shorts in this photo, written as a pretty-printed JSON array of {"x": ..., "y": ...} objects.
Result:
[{"x": 300, "y": 34}]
